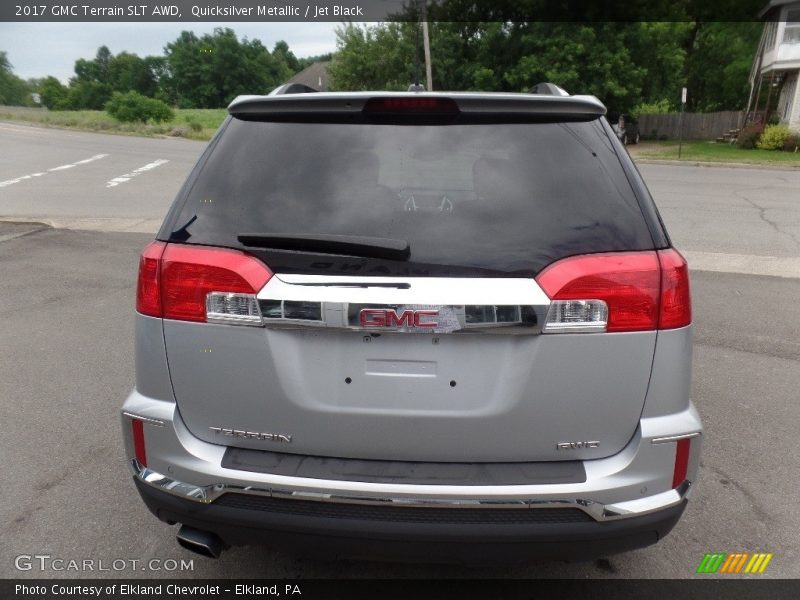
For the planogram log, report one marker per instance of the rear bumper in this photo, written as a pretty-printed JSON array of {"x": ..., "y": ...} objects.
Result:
[
  {"x": 368, "y": 538},
  {"x": 626, "y": 501}
]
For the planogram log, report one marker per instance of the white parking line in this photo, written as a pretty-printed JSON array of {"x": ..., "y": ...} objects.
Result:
[
  {"x": 128, "y": 176},
  {"x": 746, "y": 264},
  {"x": 8, "y": 182}
]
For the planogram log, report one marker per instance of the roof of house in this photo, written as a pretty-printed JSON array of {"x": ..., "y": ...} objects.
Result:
[
  {"x": 314, "y": 75},
  {"x": 775, "y": 4}
]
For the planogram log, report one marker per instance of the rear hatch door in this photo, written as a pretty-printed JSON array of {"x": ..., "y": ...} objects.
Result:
[{"x": 434, "y": 355}]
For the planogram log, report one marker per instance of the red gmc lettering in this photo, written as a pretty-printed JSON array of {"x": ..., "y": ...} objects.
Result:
[
  {"x": 375, "y": 317},
  {"x": 418, "y": 314}
]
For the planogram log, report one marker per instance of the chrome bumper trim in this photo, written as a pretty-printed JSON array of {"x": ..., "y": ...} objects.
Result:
[
  {"x": 599, "y": 512},
  {"x": 675, "y": 438},
  {"x": 149, "y": 420}
]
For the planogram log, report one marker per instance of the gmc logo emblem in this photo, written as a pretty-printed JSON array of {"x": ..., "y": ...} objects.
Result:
[{"x": 380, "y": 317}]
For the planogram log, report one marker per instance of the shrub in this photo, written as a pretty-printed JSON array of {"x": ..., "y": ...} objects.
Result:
[
  {"x": 132, "y": 107},
  {"x": 195, "y": 126},
  {"x": 651, "y": 108},
  {"x": 749, "y": 135},
  {"x": 792, "y": 143},
  {"x": 773, "y": 137}
]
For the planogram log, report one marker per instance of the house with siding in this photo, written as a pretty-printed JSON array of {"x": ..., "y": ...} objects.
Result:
[{"x": 775, "y": 91}]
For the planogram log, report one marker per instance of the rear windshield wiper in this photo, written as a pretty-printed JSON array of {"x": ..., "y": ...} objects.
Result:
[{"x": 320, "y": 243}]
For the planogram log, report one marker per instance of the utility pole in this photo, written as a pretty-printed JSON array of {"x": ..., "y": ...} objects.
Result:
[
  {"x": 427, "y": 45},
  {"x": 416, "y": 59},
  {"x": 680, "y": 126}
]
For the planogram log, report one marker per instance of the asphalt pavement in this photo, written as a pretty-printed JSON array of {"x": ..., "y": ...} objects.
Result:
[{"x": 66, "y": 351}]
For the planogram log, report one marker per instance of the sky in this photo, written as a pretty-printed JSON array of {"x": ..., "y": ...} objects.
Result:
[{"x": 41, "y": 49}]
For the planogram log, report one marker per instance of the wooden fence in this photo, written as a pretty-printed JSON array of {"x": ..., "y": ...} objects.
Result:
[{"x": 696, "y": 126}]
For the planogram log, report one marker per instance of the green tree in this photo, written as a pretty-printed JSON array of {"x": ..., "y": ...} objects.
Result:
[
  {"x": 590, "y": 58},
  {"x": 209, "y": 71},
  {"x": 374, "y": 57},
  {"x": 54, "y": 94},
  {"x": 282, "y": 54},
  {"x": 660, "y": 49},
  {"x": 88, "y": 95},
  {"x": 128, "y": 72},
  {"x": 625, "y": 64},
  {"x": 718, "y": 72},
  {"x": 90, "y": 88},
  {"x": 13, "y": 90}
]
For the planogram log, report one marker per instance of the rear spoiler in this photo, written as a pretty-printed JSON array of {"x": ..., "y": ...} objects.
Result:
[{"x": 470, "y": 107}]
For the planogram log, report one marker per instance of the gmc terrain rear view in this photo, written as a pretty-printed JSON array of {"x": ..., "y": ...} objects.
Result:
[{"x": 414, "y": 325}]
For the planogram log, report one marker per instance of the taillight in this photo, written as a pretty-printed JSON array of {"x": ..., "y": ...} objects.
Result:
[
  {"x": 681, "y": 462},
  {"x": 148, "y": 293},
  {"x": 624, "y": 291},
  {"x": 200, "y": 283},
  {"x": 676, "y": 303},
  {"x": 602, "y": 292}
]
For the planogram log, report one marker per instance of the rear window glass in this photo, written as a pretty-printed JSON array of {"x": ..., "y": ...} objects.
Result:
[{"x": 469, "y": 199}]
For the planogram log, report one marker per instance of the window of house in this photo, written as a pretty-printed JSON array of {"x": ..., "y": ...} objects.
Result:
[
  {"x": 786, "y": 98},
  {"x": 771, "y": 33},
  {"x": 791, "y": 33}
]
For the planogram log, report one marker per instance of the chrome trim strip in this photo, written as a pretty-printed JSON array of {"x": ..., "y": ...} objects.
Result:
[
  {"x": 675, "y": 438},
  {"x": 599, "y": 512},
  {"x": 463, "y": 305},
  {"x": 149, "y": 420}
]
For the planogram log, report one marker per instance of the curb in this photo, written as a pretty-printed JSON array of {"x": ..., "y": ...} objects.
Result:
[
  {"x": 110, "y": 225},
  {"x": 702, "y": 163}
]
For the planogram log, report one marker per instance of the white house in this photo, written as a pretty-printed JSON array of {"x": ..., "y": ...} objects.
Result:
[{"x": 775, "y": 91}]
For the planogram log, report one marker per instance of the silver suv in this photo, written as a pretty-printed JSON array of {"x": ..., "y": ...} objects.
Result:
[{"x": 414, "y": 325}]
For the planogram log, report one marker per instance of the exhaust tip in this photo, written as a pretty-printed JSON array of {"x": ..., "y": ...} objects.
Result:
[{"x": 200, "y": 542}]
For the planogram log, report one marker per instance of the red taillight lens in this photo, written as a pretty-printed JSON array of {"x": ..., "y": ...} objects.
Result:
[
  {"x": 438, "y": 106},
  {"x": 628, "y": 282},
  {"x": 681, "y": 462},
  {"x": 148, "y": 293},
  {"x": 175, "y": 279},
  {"x": 189, "y": 273},
  {"x": 676, "y": 304},
  {"x": 138, "y": 441}
]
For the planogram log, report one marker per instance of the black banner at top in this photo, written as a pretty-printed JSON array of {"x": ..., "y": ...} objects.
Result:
[{"x": 187, "y": 11}]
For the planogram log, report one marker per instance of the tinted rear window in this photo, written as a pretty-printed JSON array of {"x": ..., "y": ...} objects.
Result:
[{"x": 505, "y": 199}]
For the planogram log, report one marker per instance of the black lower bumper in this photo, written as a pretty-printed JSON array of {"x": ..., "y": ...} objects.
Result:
[{"x": 406, "y": 534}]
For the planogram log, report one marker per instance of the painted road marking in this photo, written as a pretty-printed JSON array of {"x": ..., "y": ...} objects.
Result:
[
  {"x": 136, "y": 172},
  {"x": 745, "y": 264},
  {"x": 8, "y": 182}
]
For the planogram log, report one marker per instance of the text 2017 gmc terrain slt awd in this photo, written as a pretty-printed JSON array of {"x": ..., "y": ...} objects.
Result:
[{"x": 424, "y": 325}]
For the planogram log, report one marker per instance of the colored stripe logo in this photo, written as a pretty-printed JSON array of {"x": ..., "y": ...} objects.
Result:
[{"x": 737, "y": 562}]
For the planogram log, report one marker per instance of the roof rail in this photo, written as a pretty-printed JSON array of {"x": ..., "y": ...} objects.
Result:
[
  {"x": 550, "y": 89},
  {"x": 293, "y": 88}
]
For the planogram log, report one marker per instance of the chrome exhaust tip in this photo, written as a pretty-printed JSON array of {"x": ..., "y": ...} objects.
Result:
[{"x": 200, "y": 542}]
